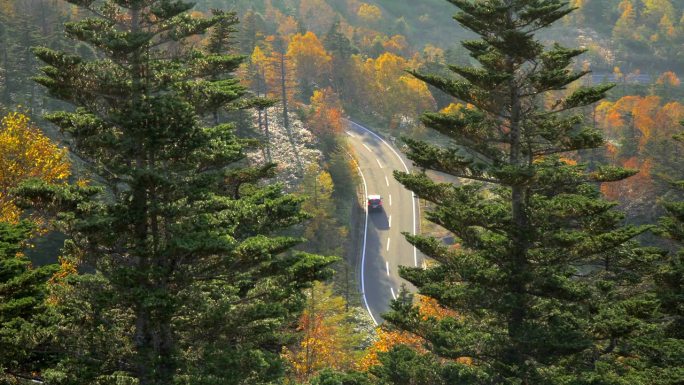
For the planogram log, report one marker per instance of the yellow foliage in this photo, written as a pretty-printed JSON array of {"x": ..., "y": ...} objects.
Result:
[
  {"x": 328, "y": 337},
  {"x": 389, "y": 89},
  {"x": 7, "y": 8},
  {"x": 369, "y": 13},
  {"x": 433, "y": 54},
  {"x": 452, "y": 109},
  {"x": 26, "y": 153},
  {"x": 310, "y": 59},
  {"x": 67, "y": 267},
  {"x": 307, "y": 51}
]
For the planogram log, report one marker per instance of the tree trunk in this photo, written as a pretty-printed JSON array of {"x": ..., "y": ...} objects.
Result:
[
  {"x": 283, "y": 88},
  {"x": 6, "y": 96},
  {"x": 153, "y": 339},
  {"x": 286, "y": 118},
  {"x": 520, "y": 220},
  {"x": 268, "y": 136}
]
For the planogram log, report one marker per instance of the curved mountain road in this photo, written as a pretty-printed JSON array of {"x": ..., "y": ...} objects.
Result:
[{"x": 384, "y": 248}]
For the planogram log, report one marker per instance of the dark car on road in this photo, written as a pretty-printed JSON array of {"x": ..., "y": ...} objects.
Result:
[{"x": 374, "y": 203}]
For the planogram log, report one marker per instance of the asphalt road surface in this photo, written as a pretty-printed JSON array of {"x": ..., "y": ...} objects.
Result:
[{"x": 384, "y": 248}]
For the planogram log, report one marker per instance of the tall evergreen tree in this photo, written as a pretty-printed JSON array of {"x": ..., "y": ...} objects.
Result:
[
  {"x": 541, "y": 254},
  {"x": 193, "y": 282},
  {"x": 24, "y": 334},
  {"x": 668, "y": 351},
  {"x": 341, "y": 50}
]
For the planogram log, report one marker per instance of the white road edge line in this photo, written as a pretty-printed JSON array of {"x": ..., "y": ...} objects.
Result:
[
  {"x": 387, "y": 267},
  {"x": 393, "y": 295},
  {"x": 415, "y": 254},
  {"x": 363, "y": 251},
  {"x": 379, "y": 164},
  {"x": 389, "y": 222},
  {"x": 388, "y": 243},
  {"x": 386, "y": 180},
  {"x": 367, "y": 148}
]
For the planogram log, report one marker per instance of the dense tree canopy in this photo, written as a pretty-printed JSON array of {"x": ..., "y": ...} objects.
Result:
[
  {"x": 183, "y": 237},
  {"x": 536, "y": 298},
  {"x": 187, "y": 261}
]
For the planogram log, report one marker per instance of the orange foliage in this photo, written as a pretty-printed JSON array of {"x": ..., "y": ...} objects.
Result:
[
  {"x": 429, "y": 307},
  {"x": 279, "y": 69},
  {"x": 327, "y": 113},
  {"x": 396, "y": 44},
  {"x": 569, "y": 161},
  {"x": 387, "y": 339},
  {"x": 611, "y": 150},
  {"x": 634, "y": 188},
  {"x": 645, "y": 114},
  {"x": 669, "y": 78},
  {"x": 652, "y": 122},
  {"x": 667, "y": 119},
  {"x": 328, "y": 338}
]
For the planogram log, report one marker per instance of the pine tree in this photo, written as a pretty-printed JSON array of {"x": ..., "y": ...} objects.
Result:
[
  {"x": 24, "y": 333},
  {"x": 341, "y": 50},
  {"x": 541, "y": 254},
  {"x": 194, "y": 282},
  {"x": 252, "y": 31},
  {"x": 668, "y": 349}
]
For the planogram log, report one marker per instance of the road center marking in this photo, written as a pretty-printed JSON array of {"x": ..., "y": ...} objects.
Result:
[
  {"x": 379, "y": 164},
  {"x": 388, "y": 243},
  {"x": 387, "y": 266},
  {"x": 389, "y": 221},
  {"x": 390, "y": 197},
  {"x": 393, "y": 295},
  {"x": 413, "y": 206},
  {"x": 386, "y": 180},
  {"x": 367, "y": 148},
  {"x": 363, "y": 251},
  {"x": 350, "y": 134}
]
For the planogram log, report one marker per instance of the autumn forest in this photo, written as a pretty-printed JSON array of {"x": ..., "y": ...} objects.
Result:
[{"x": 187, "y": 192}]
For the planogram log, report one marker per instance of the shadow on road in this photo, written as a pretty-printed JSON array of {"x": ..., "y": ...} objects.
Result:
[
  {"x": 379, "y": 219},
  {"x": 377, "y": 284}
]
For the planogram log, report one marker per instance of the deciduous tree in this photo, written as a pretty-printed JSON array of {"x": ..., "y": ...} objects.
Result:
[
  {"x": 369, "y": 13},
  {"x": 311, "y": 63},
  {"x": 326, "y": 118},
  {"x": 25, "y": 153},
  {"x": 329, "y": 340}
]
